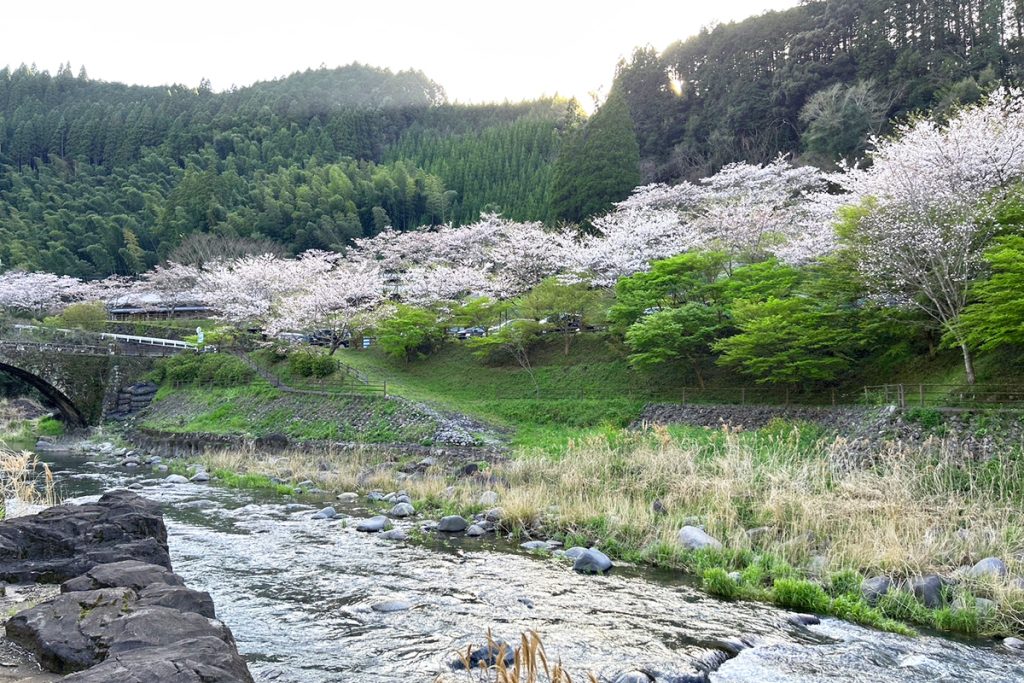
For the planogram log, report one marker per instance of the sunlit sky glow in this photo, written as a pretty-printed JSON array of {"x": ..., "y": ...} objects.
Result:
[{"x": 479, "y": 51}]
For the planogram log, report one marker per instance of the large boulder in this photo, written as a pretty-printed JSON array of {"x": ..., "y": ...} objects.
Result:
[
  {"x": 65, "y": 541},
  {"x": 592, "y": 561},
  {"x": 695, "y": 538},
  {"x": 874, "y": 588},
  {"x": 452, "y": 524},
  {"x": 928, "y": 590},
  {"x": 990, "y": 567},
  {"x": 205, "y": 659}
]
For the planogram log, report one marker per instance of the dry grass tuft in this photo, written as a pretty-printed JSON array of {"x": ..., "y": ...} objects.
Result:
[{"x": 25, "y": 479}]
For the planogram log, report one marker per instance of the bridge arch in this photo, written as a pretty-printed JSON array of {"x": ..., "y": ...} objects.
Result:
[{"x": 73, "y": 417}]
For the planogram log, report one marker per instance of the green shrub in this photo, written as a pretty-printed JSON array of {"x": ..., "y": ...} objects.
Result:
[
  {"x": 305, "y": 364},
  {"x": 717, "y": 581},
  {"x": 845, "y": 583},
  {"x": 205, "y": 368},
  {"x": 801, "y": 595},
  {"x": 50, "y": 426}
]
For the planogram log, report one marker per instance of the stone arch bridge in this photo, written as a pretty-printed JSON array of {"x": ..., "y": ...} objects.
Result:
[{"x": 81, "y": 373}]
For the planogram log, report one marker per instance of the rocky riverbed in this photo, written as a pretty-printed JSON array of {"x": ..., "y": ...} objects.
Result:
[{"x": 312, "y": 599}]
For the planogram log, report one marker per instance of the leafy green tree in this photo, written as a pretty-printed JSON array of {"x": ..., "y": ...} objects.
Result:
[
  {"x": 673, "y": 335},
  {"x": 788, "y": 331},
  {"x": 479, "y": 312},
  {"x": 563, "y": 308},
  {"x": 691, "y": 277},
  {"x": 410, "y": 333},
  {"x": 996, "y": 317},
  {"x": 839, "y": 120}
]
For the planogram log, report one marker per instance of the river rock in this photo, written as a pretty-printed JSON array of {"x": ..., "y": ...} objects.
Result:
[
  {"x": 488, "y": 654},
  {"x": 348, "y": 497},
  {"x": 374, "y": 496},
  {"x": 592, "y": 561},
  {"x": 200, "y": 477},
  {"x": 65, "y": 541},
  {"x": 125, "y": 574},
  {"x": 403, "y": 510},
  {"x": 928, "y": 590},
  {"x": 327, "y": 513},
  {"x": 374, "y": 524},
  {"x": 176, "y": 479},
  {"x": 990, "y": 567},
  {"x": 395, "y": 535},
  {"x": 575, "y": 552},
  {"x": 803, "y": 619},
  {"x": 1014, "y": 643},
  {"x": 488, "y": 498},
  {"x": 392, "y": 606},
  {"x": 874, "y": 588},
  {"x": 452, "y": 524},
  {"x": 195, "y": 660},
  {"x": 534, "y": 546},
  {"x": 475, "y": 530},
  {"x": 494, "y": 515},
  {"x": 693, "y": 538},
  {"x": 161, "y": 469}
]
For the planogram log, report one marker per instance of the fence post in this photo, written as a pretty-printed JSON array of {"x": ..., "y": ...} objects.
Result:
[
  {"x": 385, "y": 388},
  {"x": 684, "y": 394},
  {"x": 743, "y": 396},
  {"x": 920, "y": 393},
  {"x": 902, "y": 396},
  {"x": 833, "y": 396}
]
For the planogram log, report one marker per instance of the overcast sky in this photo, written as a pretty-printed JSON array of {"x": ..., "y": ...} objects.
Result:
[{"x": 478, "y": 50}]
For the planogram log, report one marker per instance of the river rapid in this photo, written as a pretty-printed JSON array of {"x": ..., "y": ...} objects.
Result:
[{"x": 299, "y": 595}]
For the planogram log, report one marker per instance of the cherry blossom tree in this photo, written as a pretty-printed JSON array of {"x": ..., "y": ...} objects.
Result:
[
  {"x": 39, "y": 293},
  {"x": 922, "y": 210}
]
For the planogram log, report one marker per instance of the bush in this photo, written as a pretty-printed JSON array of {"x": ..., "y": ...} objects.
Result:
[
  {"x": 89, "y": 315},
  {"x": 49, "y": 426},
  {"x": 802, "y": 595},
  {"x": 206, "y": 368},
  {"x": 305, "y": 364},
  {"x": 717, "y": 581}
]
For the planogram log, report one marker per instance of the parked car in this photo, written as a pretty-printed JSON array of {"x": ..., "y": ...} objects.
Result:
[{"x": 330, "y": 338}]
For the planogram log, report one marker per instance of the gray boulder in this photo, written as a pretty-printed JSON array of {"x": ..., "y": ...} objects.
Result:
[
  {"x": 475, "y": 531},
  {"x": 874, "y": 588},
  {"x": 452, "y": 524},
  {"x": 176, "y": 479},
  {"x": 374, "y": 524},
  {"x": 694, "y": 538},
  {"x": 403, "y": 510},
  {"x": 327, "y": 513},
  {"x": 928, "y": 590},
  {"x": 395, "y": 535},
  {"x": 592, "y": 561},
  {"x": 488, "y": 498},
  {"x": 348, "y": 497},
  {"x": 575, "y": 552},
  {"x": 488, "y": 654},
  {"x": 196, "y": 660},
  {"x": 200, "y": 477},
  {"x": 990, "y": 567},
  {"x": 177, "y": 597}
]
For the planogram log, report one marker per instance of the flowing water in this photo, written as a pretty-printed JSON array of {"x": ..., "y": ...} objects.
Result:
[{"x": 299, "y": 593}]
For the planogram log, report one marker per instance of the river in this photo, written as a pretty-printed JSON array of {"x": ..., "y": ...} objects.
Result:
[{"x": 299, "y": 593}]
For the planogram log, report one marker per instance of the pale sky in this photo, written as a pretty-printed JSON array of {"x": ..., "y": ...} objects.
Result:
[{"x": 477, "y": 50}]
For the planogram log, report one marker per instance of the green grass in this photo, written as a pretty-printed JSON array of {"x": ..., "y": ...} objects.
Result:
[
  {"x": 49, "y": 426},
  {"x": 257, "y": 482}
]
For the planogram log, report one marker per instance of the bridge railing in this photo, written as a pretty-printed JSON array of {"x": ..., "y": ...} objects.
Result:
[{"x": 40, "y": 334}]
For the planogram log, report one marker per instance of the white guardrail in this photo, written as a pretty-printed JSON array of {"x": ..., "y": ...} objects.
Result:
[{"x": 123, "y": 338}]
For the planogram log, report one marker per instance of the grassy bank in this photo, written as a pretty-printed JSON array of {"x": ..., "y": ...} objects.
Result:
[
  {"x": 258, "y": 409},
  {"x": 824, "y": 519}
]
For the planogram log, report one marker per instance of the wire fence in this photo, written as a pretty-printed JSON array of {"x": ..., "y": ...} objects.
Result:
[{"x": 945, "y": 395}]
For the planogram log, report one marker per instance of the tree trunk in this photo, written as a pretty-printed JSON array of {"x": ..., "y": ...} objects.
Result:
[
  {"x": 696, "y": 371},
  {"x": 968, "y": 363}
]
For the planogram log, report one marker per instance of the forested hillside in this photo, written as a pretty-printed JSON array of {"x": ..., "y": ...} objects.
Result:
[
  {"x": 814, "y": 80},
  {"x": 99, "y": 178}
]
